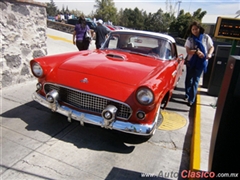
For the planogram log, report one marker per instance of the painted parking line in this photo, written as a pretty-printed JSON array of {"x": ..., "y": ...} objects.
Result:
[
  {"x": 59, "y": 38},
  {"x": 195, "y": 156}
]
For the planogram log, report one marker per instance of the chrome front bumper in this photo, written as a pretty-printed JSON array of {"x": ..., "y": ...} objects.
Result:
[{"x": 126, "y": 127}]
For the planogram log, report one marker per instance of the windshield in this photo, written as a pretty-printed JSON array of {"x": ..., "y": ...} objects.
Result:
[{"x": 140, "y": 44}]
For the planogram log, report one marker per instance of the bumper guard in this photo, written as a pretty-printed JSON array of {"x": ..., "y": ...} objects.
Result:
[{"x": 126, "y": 127}]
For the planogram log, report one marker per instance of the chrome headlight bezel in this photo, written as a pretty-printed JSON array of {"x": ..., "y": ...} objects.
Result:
[
  {"x": 144, "y": 96},
  {"x": 37, "y": 69}
]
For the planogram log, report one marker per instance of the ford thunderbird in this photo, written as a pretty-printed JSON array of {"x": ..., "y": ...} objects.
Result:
[{"x": 123, "y": 86}]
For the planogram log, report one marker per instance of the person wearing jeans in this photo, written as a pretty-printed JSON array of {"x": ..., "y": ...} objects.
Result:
[
  {"x": 199, "y": 48},
  {"x": 79, "y": 34}
]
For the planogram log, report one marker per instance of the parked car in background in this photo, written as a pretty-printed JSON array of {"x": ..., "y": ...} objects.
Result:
[
  {"x": 51, "y": 18},
  {"x": 121, "y": 27},
  {"x": 122, "y": 86},
  {"x": 89, "y": 22},
  {"x": 111, "y": 27}
]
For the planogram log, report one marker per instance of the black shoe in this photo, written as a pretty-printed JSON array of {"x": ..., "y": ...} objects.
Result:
[
  {"x": 190, "y": 104},
  {"x": 186, "y": 98}
]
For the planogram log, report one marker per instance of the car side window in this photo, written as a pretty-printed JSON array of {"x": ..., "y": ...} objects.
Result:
[
  {"x": 167, "y": 51},
  {"x": 174, "y": 52},
  {"x": 113, "y": 42}
]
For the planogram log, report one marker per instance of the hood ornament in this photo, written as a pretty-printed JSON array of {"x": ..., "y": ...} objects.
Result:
[{"x": 85, "y": 80}]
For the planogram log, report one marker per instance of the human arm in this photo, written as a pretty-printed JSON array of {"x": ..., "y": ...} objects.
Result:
[
  {"x": 189, "y": 46},
  {"x": 74, "y": 36},
  {"x": 210, "y": 47},
  {"x": 194, "y": 51},
  {"x": 210, "y": 52},
  {"x": 107, "y": 31},
  {"x": 89, "y": 30},
  {"x": 208, "y": 55}
]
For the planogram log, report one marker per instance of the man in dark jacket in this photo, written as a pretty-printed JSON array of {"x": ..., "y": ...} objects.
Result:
[{"x": 101, "y": 33}]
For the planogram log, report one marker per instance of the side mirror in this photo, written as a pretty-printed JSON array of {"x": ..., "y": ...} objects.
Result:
[{"x": 180, "y": 58}]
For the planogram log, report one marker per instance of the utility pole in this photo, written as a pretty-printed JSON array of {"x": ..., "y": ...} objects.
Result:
[{"x": 179, "y": 2}]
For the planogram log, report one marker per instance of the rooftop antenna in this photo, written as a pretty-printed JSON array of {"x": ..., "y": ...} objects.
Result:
[{"x": 238, "y": 13}]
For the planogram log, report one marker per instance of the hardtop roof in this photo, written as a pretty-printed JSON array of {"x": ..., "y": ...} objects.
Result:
[{"x": 170, "y": 38}]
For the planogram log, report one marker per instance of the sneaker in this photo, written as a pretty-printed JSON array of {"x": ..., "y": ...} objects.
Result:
[{"x": 190, "y": 104}]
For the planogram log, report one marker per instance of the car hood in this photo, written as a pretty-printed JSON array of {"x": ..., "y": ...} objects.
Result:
[{"x": 114, "y": 65}]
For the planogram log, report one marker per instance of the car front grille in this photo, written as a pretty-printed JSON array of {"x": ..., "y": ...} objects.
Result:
[{"x": 88, "y": 102}]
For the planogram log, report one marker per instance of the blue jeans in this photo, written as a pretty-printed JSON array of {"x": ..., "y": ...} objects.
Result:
[{"x": 191, "y": 83}]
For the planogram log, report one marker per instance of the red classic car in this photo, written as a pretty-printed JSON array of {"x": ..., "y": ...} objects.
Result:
[{"x": 122, "y": 86}]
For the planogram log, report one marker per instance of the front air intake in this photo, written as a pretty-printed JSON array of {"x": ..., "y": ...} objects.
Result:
[
  {"x": 87, "y": 101},
  {"x": 115, "y": 56}
]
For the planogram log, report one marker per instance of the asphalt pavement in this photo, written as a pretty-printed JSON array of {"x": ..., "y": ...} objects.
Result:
[{"x": 36, "y": 144}]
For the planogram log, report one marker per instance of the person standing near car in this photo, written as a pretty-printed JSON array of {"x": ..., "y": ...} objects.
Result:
[
  {"x": 101, "y": 34},
  {"x": 79, "y": 34},
  {"x": 199, "y": 48}
]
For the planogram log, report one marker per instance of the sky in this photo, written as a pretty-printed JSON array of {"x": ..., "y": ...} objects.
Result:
[{"x": 218, "y": 7}]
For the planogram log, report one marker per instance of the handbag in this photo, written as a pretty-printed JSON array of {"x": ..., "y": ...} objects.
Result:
[{"x": 87, "y": 36}]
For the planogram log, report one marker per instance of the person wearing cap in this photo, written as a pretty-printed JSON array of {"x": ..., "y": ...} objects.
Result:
[{"x": 101, "y": 33}]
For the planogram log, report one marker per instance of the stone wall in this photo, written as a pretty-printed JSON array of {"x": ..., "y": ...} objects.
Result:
[
  {"x": 60, "y": 26},
  {"x": 23, "y": 37}
]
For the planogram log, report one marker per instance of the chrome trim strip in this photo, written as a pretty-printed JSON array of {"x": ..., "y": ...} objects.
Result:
[
  {"x": 126, "y": 127},
  {"x": 174, "y": 73}
]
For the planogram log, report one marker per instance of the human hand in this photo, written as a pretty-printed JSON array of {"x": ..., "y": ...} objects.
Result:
[
  {"x": 200, "y": 54},
  {"x": 209, "y": 56}
]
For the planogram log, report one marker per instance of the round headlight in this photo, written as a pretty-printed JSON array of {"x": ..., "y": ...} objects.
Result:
[
  {"x": 37, "y": 70},
  {"x": 145, "y": 96}
]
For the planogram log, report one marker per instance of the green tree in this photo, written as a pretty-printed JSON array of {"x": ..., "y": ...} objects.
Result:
[
  {"x": 198, "y": 14},
  {"x": 183, "y": 21},
  {"x": 51, "y": 8},
  {"x": 139, "y": 19},
  {"x": 119, "y": 17},
  {"x": 130, "y": 18},
  {"x": 76, "y": 13},
  {"x": 106, "y": 10},
  {"x": 161, "y": 21},
  {"x": 180, "y": 25},
  {"x": 67, "y": 10},
  {"x": 63, "y": 9}
]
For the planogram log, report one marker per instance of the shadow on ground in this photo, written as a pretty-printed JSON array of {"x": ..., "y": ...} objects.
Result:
[{"x": 39, "y": 118}]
